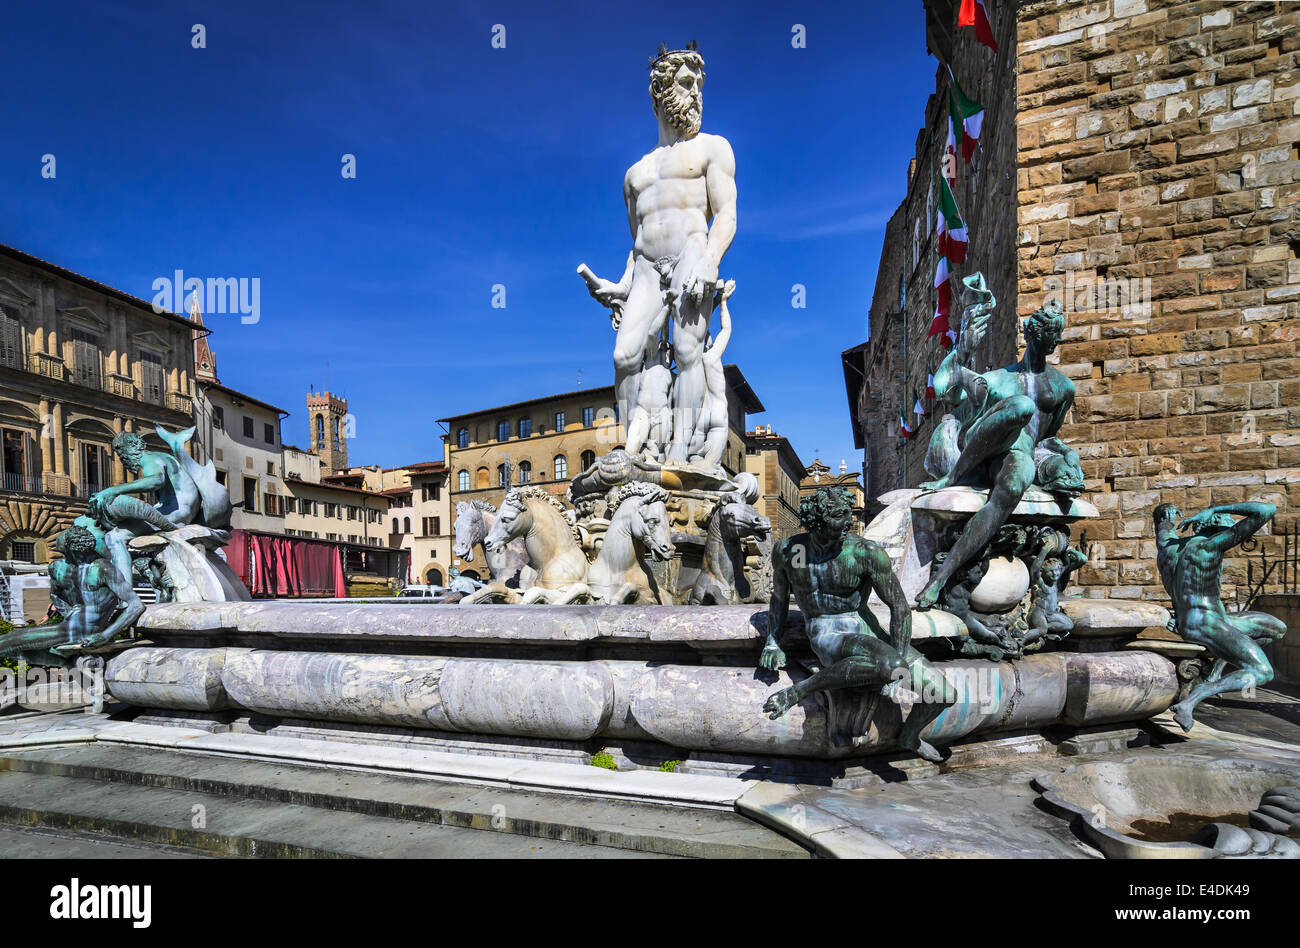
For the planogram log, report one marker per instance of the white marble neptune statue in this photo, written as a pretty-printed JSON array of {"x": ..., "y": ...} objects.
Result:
[{"x": 681, "y": 206}]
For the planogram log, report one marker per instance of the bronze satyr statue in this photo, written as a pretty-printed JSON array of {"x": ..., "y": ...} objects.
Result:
[
  {"x": 1005, "y": 415},
  {"x": 831, "y": 573},
  {"x": 1189, "y": 567}
]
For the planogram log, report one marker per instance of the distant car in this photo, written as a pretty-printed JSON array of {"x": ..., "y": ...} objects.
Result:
[{"x": 422, "y": 591}]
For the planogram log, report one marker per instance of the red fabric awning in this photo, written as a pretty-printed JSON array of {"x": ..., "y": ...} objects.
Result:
[{"x": 286, "y": 566}]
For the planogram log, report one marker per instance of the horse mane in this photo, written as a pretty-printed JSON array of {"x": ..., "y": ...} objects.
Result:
[
  {"x": 485, "y": 505},
  {"x": 649, "y": 493},
  {"x": 518, "y": 495}
]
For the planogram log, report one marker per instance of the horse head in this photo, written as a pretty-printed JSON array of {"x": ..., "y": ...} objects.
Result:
[
  {"x": 469, "y": 527},
  {"x": 514, "y": 520},
  {"x": 648, "y": 523},
  {"x": 468, "y": 531},
  {"x": 739, "y": 520}
]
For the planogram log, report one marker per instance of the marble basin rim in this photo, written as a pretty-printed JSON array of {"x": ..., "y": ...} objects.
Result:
[
  {"x": 1105, "y": 798},
  {"x": 1036, "y": 506}
]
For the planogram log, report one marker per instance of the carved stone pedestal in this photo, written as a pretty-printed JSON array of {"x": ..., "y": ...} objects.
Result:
[
  {"x": 697, "y": 496},
  {"x": 1008, "y": 595}
]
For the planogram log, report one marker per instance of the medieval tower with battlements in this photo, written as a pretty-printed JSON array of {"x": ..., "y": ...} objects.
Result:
[{"x": 327, "y": 417}]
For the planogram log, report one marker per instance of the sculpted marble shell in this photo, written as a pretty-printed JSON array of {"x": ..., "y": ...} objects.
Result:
[{"x": 1004, "y": 584}]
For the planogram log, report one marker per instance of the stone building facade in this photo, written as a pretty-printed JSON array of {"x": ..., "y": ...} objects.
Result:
[
  {"x": 543, "y": 441},
  {"x": 79, "y": 362},
  {"x": 898, "y": 356},
  {"x": 1157, "y": 176},
  {"x": 325, "y": 508},
  {"x": 420, "y": 519},
  {"x": 241, "y": 436},
  {"x": 773, "y": 460},
  {"x": 549, "y": 441}
]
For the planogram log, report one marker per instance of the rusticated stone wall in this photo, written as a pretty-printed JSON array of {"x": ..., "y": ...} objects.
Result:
[{"x": 1158, "y": 178}]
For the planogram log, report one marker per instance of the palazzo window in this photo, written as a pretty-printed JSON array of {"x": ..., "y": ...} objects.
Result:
[
  {"x": 11, "y": 341},
  {"x": 86, "y": 365},
  {"x": 14, "y": 457},
  {"x": 151, "y": 375},
  {"x": 92, "y": 466}
]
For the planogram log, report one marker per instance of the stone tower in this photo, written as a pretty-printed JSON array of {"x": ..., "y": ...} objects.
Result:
[{"x": 327, "y": 421}]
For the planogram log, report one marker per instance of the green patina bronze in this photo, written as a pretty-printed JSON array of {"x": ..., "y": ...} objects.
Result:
[
  {"x": 91, "y": 586},
  {"x": 95, "y": 601},
  {"x": 831, "y": 574},
  {"x": 1008, "y": 421},
  {"x": 1190, "y": 568}
]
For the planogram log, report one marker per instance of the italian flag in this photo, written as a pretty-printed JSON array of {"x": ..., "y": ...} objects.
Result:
[
  {"x": 952, "y": 229},
  {"x": 918, "y": 409},
  {"x": 904, "y": 430},
  {"x": 966, "y": 113},
  {"x": 973, "y": 13},
  {"x": 943, "y": 305}
]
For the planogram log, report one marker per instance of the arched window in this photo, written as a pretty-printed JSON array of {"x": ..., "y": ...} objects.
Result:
[
  {"x": 525, "y": 472},
  {"x": 503, "y": 431},
  {"x": 320, "y": 430},
  {"x": 395, "y": 530},
  {"x": 462, "y": 438},
  {"x": 501, "y": 476},
  {"x": 462, "y": 480},
  {"x": 525, "y": 427},
  {"x": 561, "y": 467},
  {"x": 588, "y": 459},
  {"x": 482, "y": 478},
  {"x": 406, "y": 524}
]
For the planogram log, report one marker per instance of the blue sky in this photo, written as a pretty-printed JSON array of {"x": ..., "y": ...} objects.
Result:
[{"x": 475, "y": 166}]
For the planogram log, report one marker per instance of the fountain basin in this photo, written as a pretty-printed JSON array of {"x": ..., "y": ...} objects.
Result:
[
  {"x": 682, "y": 676},
  {"x": 1121, "y": 806}
]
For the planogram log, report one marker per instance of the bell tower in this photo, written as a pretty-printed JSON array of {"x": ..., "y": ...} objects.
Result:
[
  {"x": 327, "y": 418},
  {"x": 205, "y": 363}
]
